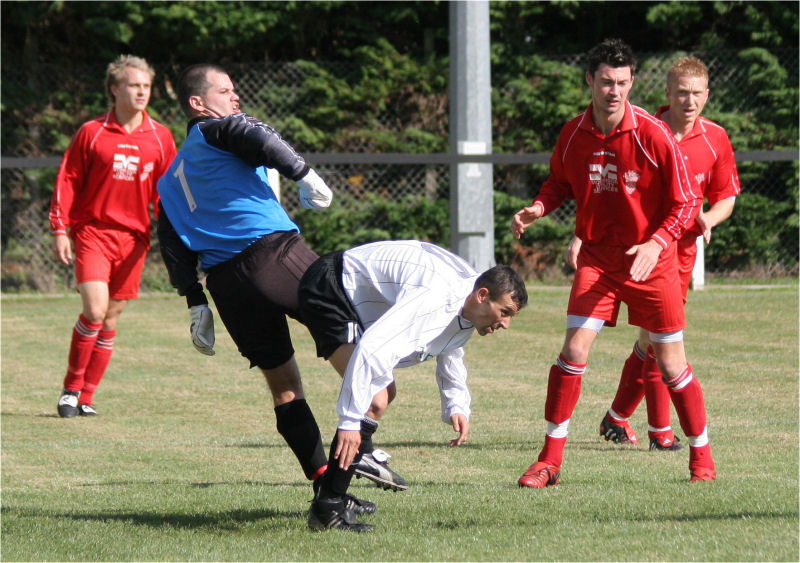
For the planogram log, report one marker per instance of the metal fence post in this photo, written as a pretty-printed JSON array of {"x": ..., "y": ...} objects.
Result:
[{"x": 471, "y": 203}]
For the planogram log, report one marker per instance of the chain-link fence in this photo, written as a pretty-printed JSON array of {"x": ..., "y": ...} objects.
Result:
[{"x": 277, "y": 92}]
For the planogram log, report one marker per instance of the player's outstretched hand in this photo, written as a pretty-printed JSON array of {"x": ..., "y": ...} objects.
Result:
[
  {"x": 460, "y": 425},
  {"x": 202, "y": 329},
  {"x": 524, "y": 218},
  {"x": 314, "y": 192}
]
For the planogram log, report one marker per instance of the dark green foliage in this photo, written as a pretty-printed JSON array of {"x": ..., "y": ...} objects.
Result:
[
  {"x": 768, "y": 91},
  {"x": 343, "y": 224},
  {"x": 374, "y": 78},
  {"x": 395, "y": 62},
  {"x": 546, "y": 238},
  {"x": 527, "y": 115},
  {"x": 340, "y": 108},
  {"x": 748, "y": 239}
]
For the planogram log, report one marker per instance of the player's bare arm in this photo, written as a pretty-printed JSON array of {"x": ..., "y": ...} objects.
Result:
[
  {"x": 715, "y": 215},
  {"x": 646, "y": 258}
]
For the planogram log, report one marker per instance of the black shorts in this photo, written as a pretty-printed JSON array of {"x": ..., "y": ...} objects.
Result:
[
  {"x": 255, "y": 290},
  {"x": 325, "y": 308}
]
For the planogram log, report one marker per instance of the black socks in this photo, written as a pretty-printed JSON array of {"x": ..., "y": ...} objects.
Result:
[
  {"x": 298, "y": 427},
  {"x": 336, "y": 481}
]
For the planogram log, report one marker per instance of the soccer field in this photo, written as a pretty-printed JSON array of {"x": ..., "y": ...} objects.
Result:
[{"x": 184, "y": 462}]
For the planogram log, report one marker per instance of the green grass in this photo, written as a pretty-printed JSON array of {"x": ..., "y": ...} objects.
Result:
[{"x": 184, "y": 462}]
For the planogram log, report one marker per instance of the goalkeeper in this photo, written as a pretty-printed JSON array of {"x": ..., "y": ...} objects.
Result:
[{"x": 218, "y": 207}]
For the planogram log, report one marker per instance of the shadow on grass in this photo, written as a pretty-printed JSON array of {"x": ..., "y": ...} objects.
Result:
[
  {"x": 381, "y": 445},
  {"x": 418, "y": 444},
  {"x": 256, "y": 445},
  {"x": 230, "y": 520},
  {"x": 721, "y": 516},
  {"x": 195, "y": 485}
]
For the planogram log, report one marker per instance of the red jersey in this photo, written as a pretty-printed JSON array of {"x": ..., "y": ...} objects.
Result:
[
  {"x": 108, "y": 176},
  {"x": 708, "y": 154},
  {"x": 629, "y": 186}
]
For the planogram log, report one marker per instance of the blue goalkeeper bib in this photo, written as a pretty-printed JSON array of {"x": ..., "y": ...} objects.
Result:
[{"x": 217, "y": 203}]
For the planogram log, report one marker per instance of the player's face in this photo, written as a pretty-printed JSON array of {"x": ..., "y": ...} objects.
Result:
[
  {"x": 132, "y": 93},
  {"x": 610, "y": 88},
  {"x": 687, "y": 96},
  {"x": 489, "y": 316},
  {"x": 221, "y": 98}
]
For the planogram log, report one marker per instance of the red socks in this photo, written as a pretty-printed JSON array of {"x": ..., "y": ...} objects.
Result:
[
  {"x": 101, "y": 355},
  {"x": 563, "y": 391},
  {"x": 640, "y": 378},
  {"x": 630, "y": 390},
  {"x": 89, "y": 354},
  {"x": 658, "y": 401},
  {"x": 84, "y": 336},
  {"x": 687, "y": 396}
]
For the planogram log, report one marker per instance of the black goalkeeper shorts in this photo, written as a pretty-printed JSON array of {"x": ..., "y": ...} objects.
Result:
[
  {"x": 325, "y": 308},
  {"x": 255, "y": 290}
]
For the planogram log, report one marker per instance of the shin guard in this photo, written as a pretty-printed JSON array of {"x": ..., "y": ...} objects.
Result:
[
  {"x": 656, "y": 393},
  {"x": 298, "y": 427},
  {"x": 630, "y": 390}
]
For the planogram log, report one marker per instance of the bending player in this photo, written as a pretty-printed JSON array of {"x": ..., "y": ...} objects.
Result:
[{"x": 388, "y": 305}]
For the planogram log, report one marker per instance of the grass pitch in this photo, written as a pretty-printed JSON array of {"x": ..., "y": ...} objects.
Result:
[{"x": 184, "y": 462}]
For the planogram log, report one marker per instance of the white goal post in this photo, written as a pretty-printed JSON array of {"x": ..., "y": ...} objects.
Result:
[{"x": 699, "y": 270}]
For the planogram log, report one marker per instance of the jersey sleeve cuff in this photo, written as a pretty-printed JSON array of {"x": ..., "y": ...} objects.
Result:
[
  {"x": 347, "y": 423},
  {"x": 303, "y": 173},
  {"x": 662, "y": 237},
  {"x": 446, "y": 414},
  {"x": 196, "y": 296}
]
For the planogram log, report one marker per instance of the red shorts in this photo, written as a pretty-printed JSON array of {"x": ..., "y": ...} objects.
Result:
[
  {"x": 687, "y": 255},
  {"x": 113, "y": 256},
  {"x": 603, "y": 281}
]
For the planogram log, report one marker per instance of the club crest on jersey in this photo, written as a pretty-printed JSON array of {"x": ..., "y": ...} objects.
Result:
[
  {"x": 125, "y": 167},
  {"x": 631, "y": 177},
  {"x": 603, "y": 177}
]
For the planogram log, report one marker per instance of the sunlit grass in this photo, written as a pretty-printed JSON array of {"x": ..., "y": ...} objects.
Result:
[{"x": 184, "y": 462}]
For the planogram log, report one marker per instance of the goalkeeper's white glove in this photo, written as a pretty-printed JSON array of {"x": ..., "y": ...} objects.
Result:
[
  {"x": 314, "y": 193},
  {"x": 202, "y": 329}
]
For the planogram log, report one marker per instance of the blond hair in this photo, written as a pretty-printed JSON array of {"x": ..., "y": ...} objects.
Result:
[
  {"x": 115, "y": 72},
  {"x": 687, "y": 66}
]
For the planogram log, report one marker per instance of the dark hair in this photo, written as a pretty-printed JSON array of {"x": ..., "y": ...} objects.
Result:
[
  {"x": 613, "y": 52},
  {"x": 501, "y": 280},
  {"x": 192, "y": 82}
]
